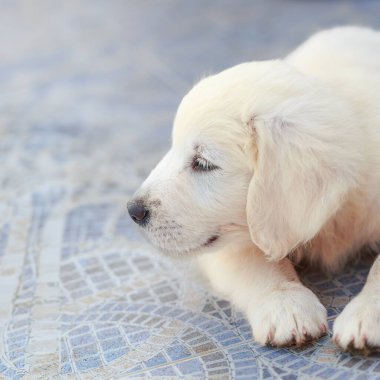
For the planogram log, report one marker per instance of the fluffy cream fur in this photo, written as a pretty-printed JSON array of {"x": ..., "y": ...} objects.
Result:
[{"x": 293, "y": 152}]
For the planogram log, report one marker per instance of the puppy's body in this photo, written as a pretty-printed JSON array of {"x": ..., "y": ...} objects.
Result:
[
  {"x": 271, "y": 159},
  {"x": 348, "y": 61}
]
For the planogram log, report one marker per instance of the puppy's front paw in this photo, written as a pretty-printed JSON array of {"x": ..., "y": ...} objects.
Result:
[
  {"x": 292, "y": 316},
  {"x": 358, "y": 326}
]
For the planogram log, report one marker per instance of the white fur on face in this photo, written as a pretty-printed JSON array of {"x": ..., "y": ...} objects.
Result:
[
  {"x": 196, "y": 211},
  {"x": 190, "y": 210}
]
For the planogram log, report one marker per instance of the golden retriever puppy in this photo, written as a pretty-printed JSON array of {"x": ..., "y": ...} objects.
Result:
[{"x": 272, "y": 162}]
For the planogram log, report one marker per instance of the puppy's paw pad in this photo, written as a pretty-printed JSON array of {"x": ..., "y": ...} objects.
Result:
[
  {"x": 289, "y": 317},
  {"x": 357, "y": 328}
]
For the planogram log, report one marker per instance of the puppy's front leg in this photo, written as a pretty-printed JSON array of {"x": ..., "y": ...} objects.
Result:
[
  {"x": 358, "y": 326},
  {"x": 280, "y": 309}
]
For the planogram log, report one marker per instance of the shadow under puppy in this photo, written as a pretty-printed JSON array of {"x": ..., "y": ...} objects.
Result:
[{"x": 272, "y": 162}]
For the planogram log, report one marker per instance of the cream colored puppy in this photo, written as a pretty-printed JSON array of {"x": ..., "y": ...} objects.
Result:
[{"x": 272, "y": 162}]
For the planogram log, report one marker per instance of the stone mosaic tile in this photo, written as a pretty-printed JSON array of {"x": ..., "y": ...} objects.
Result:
[{"x": 89, "y": 90}]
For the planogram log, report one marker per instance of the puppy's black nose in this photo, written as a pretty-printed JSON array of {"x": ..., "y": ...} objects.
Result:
[{"x": 138, "y": 212}]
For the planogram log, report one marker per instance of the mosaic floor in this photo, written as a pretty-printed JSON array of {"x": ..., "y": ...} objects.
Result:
[{"x": 88, "y": 92}]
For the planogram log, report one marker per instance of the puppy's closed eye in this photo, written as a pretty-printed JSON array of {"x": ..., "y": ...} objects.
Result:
[{"x": 200, "y": 164}]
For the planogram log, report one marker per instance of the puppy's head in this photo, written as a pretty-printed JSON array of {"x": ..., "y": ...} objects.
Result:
[{"x": 260, "y": 153}]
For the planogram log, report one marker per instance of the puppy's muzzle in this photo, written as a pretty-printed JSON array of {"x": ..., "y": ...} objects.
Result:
[{"x": 138, "y": 212}]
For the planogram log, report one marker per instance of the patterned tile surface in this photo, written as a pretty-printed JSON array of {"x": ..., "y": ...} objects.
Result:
[{"x": 88, "y": 92}]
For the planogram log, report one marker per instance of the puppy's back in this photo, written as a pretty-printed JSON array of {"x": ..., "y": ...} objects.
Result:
[
  {"x": 336, "y": 49},
  {"x": 347, "y": 59}
]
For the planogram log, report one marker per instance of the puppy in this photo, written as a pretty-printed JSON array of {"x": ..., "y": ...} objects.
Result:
[{"x": 274, "y": 162}]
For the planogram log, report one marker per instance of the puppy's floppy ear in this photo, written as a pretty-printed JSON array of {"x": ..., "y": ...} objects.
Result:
[{"x": 303, "y": 172}]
